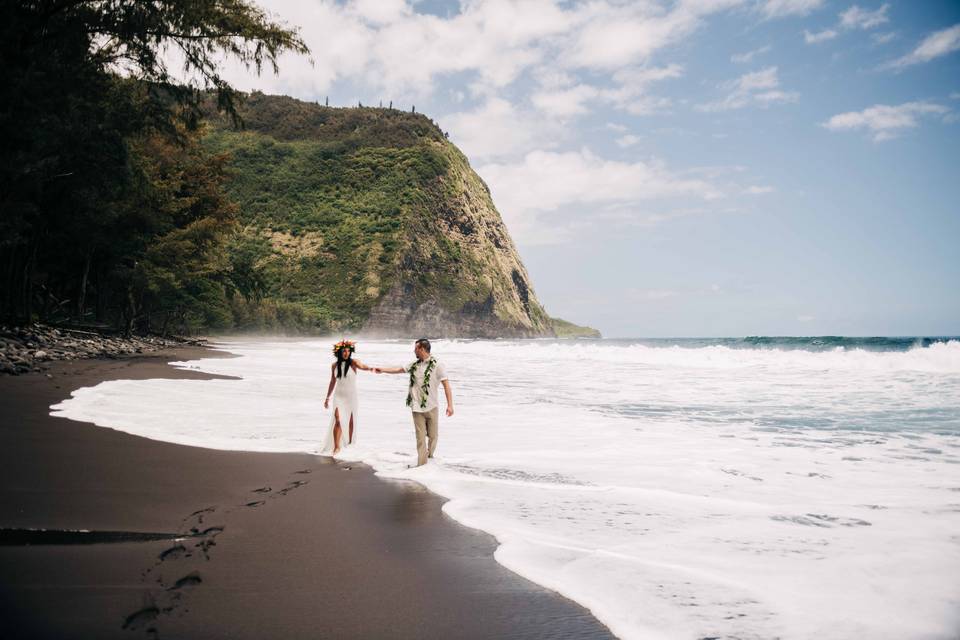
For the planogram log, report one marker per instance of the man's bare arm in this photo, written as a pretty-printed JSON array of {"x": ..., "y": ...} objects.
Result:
[{"x": 449, "y": 393}]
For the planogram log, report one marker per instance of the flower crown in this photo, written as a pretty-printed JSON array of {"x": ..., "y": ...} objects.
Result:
[{"x": 350, "y": 344}]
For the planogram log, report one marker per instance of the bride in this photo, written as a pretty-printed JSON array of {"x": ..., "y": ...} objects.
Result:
[{"x": 343, "y": 388}]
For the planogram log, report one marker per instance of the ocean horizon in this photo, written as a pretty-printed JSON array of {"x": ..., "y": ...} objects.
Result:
[{"x": 756, "y": 487}]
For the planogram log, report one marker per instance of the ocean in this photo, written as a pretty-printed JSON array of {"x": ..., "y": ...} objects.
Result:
[{"x": 689, "y": 488}]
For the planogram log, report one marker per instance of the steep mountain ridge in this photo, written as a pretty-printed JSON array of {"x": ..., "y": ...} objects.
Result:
[{"x": 372, "y": 219}]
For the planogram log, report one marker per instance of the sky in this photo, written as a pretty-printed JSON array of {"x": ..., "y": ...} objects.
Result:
[{"x": 685, "y": 168}]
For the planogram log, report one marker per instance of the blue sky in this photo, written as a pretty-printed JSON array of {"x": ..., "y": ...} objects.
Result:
[{"x": 734, "y": 167}]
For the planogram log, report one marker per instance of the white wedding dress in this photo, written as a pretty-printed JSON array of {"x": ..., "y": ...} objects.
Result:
[{"x": 345, "y": 399}]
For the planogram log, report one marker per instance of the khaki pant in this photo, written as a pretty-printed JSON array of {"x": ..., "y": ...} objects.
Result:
[{"x": 425, "y": 425}]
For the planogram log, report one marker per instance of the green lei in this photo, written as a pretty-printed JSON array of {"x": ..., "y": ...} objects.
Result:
[{"x": 425, "y": 387}]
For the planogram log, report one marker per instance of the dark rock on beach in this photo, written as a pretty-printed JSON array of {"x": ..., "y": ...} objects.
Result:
[{"x": 26, "y": 348}]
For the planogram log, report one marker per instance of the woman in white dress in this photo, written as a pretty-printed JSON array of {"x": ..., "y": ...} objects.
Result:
[{"x": 343, "y": 390}]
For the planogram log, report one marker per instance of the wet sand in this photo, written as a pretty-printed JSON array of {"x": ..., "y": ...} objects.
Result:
[{"x": 240, "y": 545}]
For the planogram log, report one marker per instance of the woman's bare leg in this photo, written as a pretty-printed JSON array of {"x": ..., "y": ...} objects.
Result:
[
  {"x": 351, "y": 429},
  {"x": 337, "y": 431}
]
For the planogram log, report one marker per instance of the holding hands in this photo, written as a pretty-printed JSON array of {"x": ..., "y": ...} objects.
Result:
[{"x": 446, "y": 385}]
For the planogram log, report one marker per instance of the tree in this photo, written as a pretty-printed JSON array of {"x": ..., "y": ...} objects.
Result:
[
  {"x": 82, "y": 84},
  {"x": 182, "y": 274}
]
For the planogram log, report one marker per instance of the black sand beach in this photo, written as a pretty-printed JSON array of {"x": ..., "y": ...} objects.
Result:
[{"x": 246, "y": 545}]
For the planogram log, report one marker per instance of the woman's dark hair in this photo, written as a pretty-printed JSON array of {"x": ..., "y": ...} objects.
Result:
[{"x": 346, "y": 362}]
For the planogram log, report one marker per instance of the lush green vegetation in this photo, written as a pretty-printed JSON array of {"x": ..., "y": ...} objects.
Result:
[
  {"x": 326, "y": 196},
  {"x": 339, "y": 206},
  {"x": 112, "y": 212},
  {"x": 565, "y": 329}
]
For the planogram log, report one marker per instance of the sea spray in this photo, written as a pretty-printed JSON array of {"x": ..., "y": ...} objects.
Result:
[{"x": 679, "y": 489}]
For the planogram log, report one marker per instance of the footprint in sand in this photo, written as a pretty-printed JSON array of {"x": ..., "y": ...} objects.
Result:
[
  {"x": 208, "y": 541},
  {"x": 204, "y": 545},
  {"x": 141, "y": 618},
  {"x": 200, "y": 513},
  {"x": 189, "y": 580},
  {"x": 256, "y": 503},
  {"x": 263, "y": 490},
  {"x": 291, "y": 486},
  {"x": 175, "y": 552}
]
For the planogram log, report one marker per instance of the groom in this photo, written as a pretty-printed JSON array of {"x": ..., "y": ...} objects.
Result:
[{"x": 426, "y": 374}]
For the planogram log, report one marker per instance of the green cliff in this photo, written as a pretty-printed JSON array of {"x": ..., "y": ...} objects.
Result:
[
  {"x": 371, "y": 220},
  {"x": 564, "y": 329}
]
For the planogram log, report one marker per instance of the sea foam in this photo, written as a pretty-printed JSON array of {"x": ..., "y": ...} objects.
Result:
[{"x": 676, "y": 491}]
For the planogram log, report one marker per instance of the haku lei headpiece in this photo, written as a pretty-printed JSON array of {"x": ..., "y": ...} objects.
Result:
[{"x": 349, "y": 344}]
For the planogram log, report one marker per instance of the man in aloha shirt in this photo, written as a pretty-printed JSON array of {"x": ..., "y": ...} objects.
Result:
[{"x": 426, "y": 374}]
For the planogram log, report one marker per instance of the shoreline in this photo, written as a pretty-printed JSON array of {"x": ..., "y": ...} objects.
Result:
[{"x": 282, "y": 544}]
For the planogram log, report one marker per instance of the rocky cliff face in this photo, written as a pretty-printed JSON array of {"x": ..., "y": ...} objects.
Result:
[
  {"x": 375, "y": 221},
  {"x": 459, "y": 273}
]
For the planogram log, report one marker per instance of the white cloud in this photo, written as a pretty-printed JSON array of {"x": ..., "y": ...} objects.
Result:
[
  {"x": 340, "y": 43},
  {"x": 853, "y": 18},
  {"x": 955, "y": 95},
  {"x": 498, "y": 129},
  {"x": 630, "y": 94},
  {"x": 820, "y": 36},
  {"x": 610, "y": 42},
  {"x": 551, "y": 77},
  {"x": 784, "y": 8},
  {"x": 640, "y": 77},
  {"x": 561, "y": 98},
  {"x": 497, "y": 39},
  {"x": 379, "y": 11},
  {"x": 806, "y": 318},
  {"x": 755, "y": 88},
  {"x": 937, "y": 44},
  {"x": 628, "y": 140},
  {"x": 747, "y": 56},
  {"x": 857, "y": 18},
  {"x": 564, "y": 103},
  {"x": 756, "y": 190},
  {"x": 615, "y": 35},
  {"x": 884, "y": 121},
  {"x": 545, "y": 181},
  {"x": 884, "y": 38},
  {"x": 385, "y": 45},
  {"x": 647, "y": 105},
  {"x": 385, "y": 49}
]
